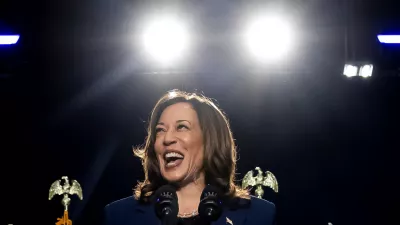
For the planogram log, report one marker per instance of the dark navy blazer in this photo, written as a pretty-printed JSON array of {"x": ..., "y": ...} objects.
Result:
[{"x": 128, "y": 211}]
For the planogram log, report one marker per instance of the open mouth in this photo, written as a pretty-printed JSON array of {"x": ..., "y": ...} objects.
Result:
[{"x": 173, "y": 159}]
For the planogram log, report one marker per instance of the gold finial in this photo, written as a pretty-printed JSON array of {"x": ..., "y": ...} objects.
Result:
[
  {"x": 66, "y": 189},
  {"x": 269, "y": 180}
]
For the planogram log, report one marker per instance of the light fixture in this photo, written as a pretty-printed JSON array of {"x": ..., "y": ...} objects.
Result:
[
  {"x": 8, "y": 39},
  {"x": 350, "y": 70},
  {"x": 166, "y": 40},
  {"x": 269, "y": 38},
  {"x": 389, "y": 39},
  {"x": 366, "y": 70},
  {"x": 362, "y": 70}
]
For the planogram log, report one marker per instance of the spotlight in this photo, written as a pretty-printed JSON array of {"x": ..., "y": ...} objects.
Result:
[
  {"x": 350, "y": 70},
  {"x": 366, "y": 70},
  {"x": 166, "y": 40},
  {"x": 8, "y": 39},
  {"x": 269, "y": 38}
]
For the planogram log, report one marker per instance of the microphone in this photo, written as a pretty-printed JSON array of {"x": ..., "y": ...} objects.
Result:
[
  {"x": 210, "y": 207},
  {"x": 166, "y": 205}
]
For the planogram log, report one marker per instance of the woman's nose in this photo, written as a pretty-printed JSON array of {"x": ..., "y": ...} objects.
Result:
[{"x": 169, "y": 138}]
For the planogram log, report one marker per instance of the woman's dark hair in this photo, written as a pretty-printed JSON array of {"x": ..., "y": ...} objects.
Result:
[{"x": 219, "y": 163}]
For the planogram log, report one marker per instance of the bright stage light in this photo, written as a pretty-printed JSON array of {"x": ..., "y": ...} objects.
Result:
[
  {"x": 356, "y": 70},
  {"x": 166, "y": 40},
  {"x": 8, "y": 39},
  {"x": 366, "y": 70},
  {"x": 389, "y": 39},
  {"x": 269, "y": 38},
  {"x": 350, "y": 70}
]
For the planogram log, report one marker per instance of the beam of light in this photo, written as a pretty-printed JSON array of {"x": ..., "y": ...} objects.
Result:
[
  {"x": 269, "y": 38},
  {"x": 94, "y": 173},
  {"x": 8, "y": 39},
  {"x": 389, "y": 39},
  {"x": 166, "y": 40}
]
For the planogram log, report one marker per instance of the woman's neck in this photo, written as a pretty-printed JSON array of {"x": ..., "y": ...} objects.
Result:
[{"x": 189, "y": 196}]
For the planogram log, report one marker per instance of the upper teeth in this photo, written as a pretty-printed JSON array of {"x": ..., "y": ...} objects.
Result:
[{"x": 173, "y": 154}]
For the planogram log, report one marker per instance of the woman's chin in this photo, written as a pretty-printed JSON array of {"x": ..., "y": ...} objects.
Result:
[
  {"x": 174, "y": 179},
  {"x": 173, "y": 176}
]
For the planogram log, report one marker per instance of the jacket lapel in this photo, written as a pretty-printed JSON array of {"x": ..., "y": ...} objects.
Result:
[{"x": 232, "y": 216}]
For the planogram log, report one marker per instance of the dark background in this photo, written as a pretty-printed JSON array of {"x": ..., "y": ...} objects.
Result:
[{"x": 75, "y": 96}]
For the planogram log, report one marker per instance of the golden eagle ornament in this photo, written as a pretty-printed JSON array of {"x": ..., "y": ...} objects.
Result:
[{"x": 269, "y": 180}]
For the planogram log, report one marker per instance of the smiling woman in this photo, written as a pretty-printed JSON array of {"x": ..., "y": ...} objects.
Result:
[
  {"x": 195, "y": 129},
  {"x": 189, "y": 146}
]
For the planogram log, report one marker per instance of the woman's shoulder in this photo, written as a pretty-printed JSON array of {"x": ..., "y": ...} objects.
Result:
[
  {"x": 126, "y": 203},
  {"x": 123, "y": 211},
  {"x": 258, "y": 211},
  {"x": 261, "y": 204},
  {"x": 252, "y": 202},
  {"x": 262, "y": 210}
]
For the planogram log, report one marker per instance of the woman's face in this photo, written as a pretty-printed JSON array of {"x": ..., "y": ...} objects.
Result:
[{"x": 179, "y": 142}]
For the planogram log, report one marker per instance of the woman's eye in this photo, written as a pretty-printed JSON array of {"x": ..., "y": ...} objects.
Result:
[
  {"x": 159, "y": 129},
  {"x": 182, "y": 127}
]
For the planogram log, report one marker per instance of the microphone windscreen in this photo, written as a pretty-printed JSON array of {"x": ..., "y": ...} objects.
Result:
[
  {"x": 166, "y": 191},
  {"x": 210, "y": 207},
  {"x": 210, "y": 192},
  {"x": 166, "y": 202}
]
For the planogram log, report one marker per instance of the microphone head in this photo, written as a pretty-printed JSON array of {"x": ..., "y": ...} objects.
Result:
[
  {"x": 210, "y": 207},
  {"x": 166, "y": 203}
]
